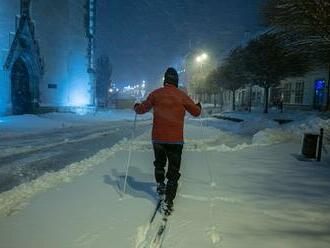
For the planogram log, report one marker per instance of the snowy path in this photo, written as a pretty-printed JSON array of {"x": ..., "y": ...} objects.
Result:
[
  {"x": 262, "y": 197},
  {"x": 24, "y": 158}
]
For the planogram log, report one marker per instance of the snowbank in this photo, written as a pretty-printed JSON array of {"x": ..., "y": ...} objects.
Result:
[
  {"x": 310, "y": 125},
  {"x": 293, "y": 131},
  {"x": 273, "y": 136}
]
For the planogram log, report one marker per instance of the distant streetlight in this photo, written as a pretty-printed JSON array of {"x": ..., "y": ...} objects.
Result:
[{"x": 201, "y": 58}]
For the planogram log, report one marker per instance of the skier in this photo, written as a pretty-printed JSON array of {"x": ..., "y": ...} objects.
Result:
[{"x": 169, "y": 105}]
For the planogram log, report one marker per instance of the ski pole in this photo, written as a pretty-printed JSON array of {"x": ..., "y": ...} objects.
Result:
[
  {"x": 130, "y": 153},
  {"x": 208, "y": 164}
]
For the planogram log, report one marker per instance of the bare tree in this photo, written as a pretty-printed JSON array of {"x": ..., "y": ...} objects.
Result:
[
  {"x": 305, "y": 26},
  {"x": 268, "y": 61}
]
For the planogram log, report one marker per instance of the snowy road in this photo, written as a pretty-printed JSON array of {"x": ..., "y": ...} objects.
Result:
[{"x": 26, "y": 157}]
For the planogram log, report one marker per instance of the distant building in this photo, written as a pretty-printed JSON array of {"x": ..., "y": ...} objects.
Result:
[
  {"x": 45, "y": 60},
  {"x": 309, "y": 91},
  {"x": 243, "y": 97}
]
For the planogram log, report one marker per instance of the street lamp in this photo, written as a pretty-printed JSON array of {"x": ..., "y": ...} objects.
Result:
[
  {"x": 201, "y": 58},
  {"x": 204, "y": 56}
]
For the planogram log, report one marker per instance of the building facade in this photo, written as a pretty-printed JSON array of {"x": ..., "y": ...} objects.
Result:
[
  {"x": 44, "y": 55},
  {"x": 308, "y": 92}
]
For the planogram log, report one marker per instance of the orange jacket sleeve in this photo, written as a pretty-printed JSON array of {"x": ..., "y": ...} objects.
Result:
[
  {"x": 145, "y": 106},
  {"x": 191, "y": 107}
]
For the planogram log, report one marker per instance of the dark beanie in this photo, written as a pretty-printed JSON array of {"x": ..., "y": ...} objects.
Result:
[{"x": 171, "y": 76}]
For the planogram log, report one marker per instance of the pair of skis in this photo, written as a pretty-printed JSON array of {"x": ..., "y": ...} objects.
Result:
[
  {"x": 158, "y": 231},
  {"x": 159, "y": 237}
]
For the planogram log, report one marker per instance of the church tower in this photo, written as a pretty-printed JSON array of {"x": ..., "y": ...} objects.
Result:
[
  {"x": 24, "y": 65},
  {"x": 25, "y": 8},
  {"x": 64, "y": 32}
]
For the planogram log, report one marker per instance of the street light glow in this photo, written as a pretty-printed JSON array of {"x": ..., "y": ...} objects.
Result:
[
  {"x": 201, "y": 57},
  {"x": 204, "y": 56}
]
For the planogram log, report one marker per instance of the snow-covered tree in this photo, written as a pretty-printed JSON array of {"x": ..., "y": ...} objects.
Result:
[
  {"x": 305, "y": 26},
  {"x": 268, "y": 61},
  {"x": 231, "y": 75}
]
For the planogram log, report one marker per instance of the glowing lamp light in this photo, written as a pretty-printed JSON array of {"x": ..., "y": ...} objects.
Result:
[
  {"x": 201, "y": 58},
  {"x": 110, "y": 90},
  {"x": 319, "y": 84},
  {"x": 79, "y": 101},
  {"x": 79, "y": 97}
]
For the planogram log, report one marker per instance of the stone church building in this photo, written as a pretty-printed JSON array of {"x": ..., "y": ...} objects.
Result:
[{"x": 46, "y": 55}]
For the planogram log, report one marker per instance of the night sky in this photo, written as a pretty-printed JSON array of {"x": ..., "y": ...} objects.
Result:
[{"x": 144, "y": 37}]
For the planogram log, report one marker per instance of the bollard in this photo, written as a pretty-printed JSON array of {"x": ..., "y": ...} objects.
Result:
[{"x": 319, "y": 152}]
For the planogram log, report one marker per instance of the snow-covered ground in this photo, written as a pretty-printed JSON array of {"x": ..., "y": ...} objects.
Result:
[
  {"x": 26, "y": 124},
  {"x": 242, "y": 186},
  {"x": 32, "y": 145},
  {"x": 26, "y": 133}
]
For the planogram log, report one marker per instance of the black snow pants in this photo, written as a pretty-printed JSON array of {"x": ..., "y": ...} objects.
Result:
[{"x": 171, "y": 153}]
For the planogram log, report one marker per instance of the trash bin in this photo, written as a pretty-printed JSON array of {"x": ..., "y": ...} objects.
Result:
[{"x": 310, "y": 145}]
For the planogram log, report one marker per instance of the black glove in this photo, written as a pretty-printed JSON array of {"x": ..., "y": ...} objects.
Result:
[{"x": 199, "y": 105}]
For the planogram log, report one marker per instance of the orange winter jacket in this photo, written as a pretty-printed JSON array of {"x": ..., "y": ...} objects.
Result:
[{"x": 169, "y": 107}]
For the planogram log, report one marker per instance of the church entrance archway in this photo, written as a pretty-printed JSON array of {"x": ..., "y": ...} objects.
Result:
[{"x": 20, "y": 89}]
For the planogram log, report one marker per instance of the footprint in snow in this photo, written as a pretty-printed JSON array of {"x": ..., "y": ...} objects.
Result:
[{"x": 214, "y": 236}]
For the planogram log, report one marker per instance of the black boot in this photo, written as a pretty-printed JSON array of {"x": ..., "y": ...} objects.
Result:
[{"x": 161, "y": 189}]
